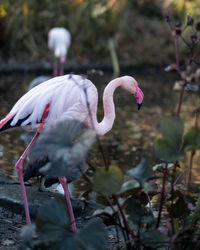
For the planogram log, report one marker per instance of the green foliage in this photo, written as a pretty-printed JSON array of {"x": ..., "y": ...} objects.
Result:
[
  {"x": 66, "y": 150},
  {"x": 172, "y": 129},
  {"x": 168, "y": 147},
  {"x": 139, "y": 214},
  {"x": 166, "y": 151},
  {"x": 191, "y": 140},
  {"x": 179, "y": 208},
  {"x": 154, "y": 239},
  {"x": 53, "y": 231},
  {"x": 129, "y": 187},
  {"x": 108, "y": 182},
  {"x": 92, "y": 23},
  {"x": 142, "y": 172}
]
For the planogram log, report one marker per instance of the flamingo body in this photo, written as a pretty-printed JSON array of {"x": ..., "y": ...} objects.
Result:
[
  {"x": 67, "y": 99},
  {"x": 59, "y": 40},
  {"x": 61, "y": 98}
]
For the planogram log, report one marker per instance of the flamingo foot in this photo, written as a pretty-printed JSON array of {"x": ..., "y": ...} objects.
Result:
[{"x": 63, "y": 182}]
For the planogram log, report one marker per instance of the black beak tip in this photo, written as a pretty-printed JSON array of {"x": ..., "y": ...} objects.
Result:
[{"x": 139, "y": 106}]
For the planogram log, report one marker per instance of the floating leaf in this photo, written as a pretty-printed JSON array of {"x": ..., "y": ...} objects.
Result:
[
  {"x": 172, "y": 130},
  {"x": 142, "y": 172},
  {"x": 154, "y": 238},
  {"x": 165, "y": 151},
  {"x": 191, "y": 140},
  {"x": 108, "y": 182},
  {"x": 129, "y": 187}
]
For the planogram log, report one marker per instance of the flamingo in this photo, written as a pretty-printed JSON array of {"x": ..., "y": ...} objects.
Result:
[
  {"x": 61, "y": 98},
  {"x": 59, "y": 40}
]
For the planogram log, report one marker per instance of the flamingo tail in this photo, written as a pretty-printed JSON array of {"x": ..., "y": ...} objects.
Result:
[{"x": 5, "y": 123}]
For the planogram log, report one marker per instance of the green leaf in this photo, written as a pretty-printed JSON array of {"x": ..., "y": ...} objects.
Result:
[
  {"x": 191, "y": 140},
  {"x": 172, "y": 130},
  {"x": 129, "y": 187},
  {"x": 139, "y": 214},
  {"x": 135, "y": 210},
  {"x": 179, "y": 208},
  {"x": 108, "y": 182},
  {"x": 53, "y": 218},
  {"x": 154, "y": 238},
  {"x": 65, "y": 150},
  {"x": 165, "y": 151},
  {"x": 93, "y": 236},
  {"x": 70, "y": 161},
  {"x": 142, "y": 172},
  {"x": 195, "y": 216}
]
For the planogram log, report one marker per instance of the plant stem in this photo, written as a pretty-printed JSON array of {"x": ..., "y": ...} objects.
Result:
[
  {"x": 176, "y": 40},
  {"x": 172, "y": 191},
  {"x": 162, "y": 198},
  {"x": 190, "y": 167},
  {"x": 180, "y": 101},
  {"x": 128, "y": 230},
  {"x": 116, "y": 228},
  {"x": 193, "y": 151}
]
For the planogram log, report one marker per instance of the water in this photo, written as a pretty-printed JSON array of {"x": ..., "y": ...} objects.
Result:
[{"x": 133, "y": 133}]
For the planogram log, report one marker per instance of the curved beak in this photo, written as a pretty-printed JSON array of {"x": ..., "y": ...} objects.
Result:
[{"x": 139, "y": 97}]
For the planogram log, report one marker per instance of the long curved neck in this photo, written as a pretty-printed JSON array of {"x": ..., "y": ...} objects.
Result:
[{"x": 109, "y": 109}]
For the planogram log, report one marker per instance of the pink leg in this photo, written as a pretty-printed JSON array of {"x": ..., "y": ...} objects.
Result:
[
  {"x": 61, "y": 69},
  {"x": 19, "y": 169},
  {"x": 55, "y": 67},
  {"x": 63, "y": 182}
]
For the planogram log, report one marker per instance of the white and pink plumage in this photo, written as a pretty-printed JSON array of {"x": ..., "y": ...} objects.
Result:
[
  {"x": 59, "y": 40},
  {"x": 63, "y": 98}
]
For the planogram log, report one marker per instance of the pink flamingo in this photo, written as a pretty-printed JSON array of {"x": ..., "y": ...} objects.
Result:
[
  {"x": 59, "y": 40},
  {"x": 61, "y": 98}
]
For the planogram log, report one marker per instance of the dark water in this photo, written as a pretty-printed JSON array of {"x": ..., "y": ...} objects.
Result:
[{"x": 133, "y": 133}]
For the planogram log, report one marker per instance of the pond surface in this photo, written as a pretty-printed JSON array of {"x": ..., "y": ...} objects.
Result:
[{"x": 133, "y": 133}]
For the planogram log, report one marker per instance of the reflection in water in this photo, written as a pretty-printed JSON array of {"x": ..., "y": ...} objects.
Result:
[{"x": 133, "y": 133}]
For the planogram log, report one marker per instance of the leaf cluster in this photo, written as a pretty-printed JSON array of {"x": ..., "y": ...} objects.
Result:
[{"x": 173, "y": 144}]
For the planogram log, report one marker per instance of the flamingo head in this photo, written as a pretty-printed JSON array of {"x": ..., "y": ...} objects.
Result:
[{"x": 131, "y": 85}]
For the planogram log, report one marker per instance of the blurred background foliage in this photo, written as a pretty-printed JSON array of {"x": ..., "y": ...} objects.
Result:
[{"x": 137, "y": 27}]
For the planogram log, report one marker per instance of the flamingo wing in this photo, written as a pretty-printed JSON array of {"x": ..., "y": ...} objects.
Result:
[{"x": 64, "y": 94}]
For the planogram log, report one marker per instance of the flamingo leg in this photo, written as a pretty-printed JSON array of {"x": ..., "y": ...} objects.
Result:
[
  {"x": 55, "y": 67},
  {"x": 63, "y": 182},
  {"x": 19, "y": 169},
  {"x": 61, "y": 69}
]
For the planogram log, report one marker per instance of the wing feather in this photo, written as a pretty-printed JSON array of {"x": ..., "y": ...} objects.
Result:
[{"x": 65, "y": 95}]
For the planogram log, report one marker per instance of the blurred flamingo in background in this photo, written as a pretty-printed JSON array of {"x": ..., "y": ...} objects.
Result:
[
  {"x": 62, "y": 98},
  {"x": 59, "y": 40}
]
